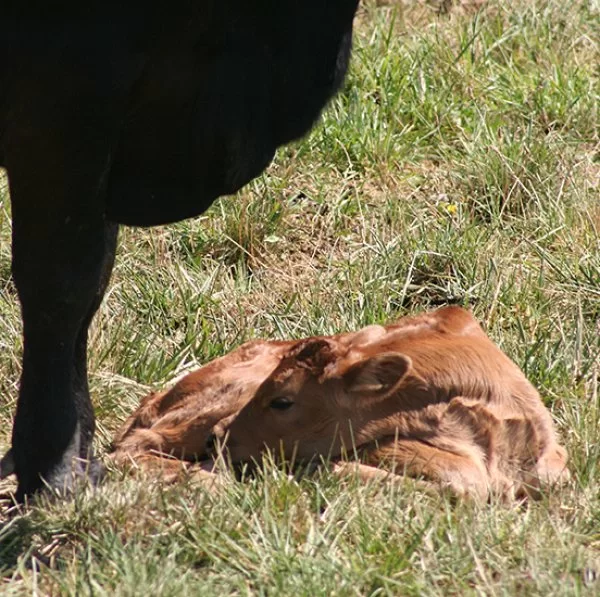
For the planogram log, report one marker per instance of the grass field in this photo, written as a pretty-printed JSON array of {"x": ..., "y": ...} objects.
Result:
[{"x": 461, "y": 164}]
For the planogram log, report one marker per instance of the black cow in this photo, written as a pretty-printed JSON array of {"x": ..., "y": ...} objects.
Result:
[{"x": 135, "y": 113}]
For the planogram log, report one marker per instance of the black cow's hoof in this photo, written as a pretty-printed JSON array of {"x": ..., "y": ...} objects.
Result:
[
  {"x": 63, "y": 481},
  {"x": 96, "y": 471}
]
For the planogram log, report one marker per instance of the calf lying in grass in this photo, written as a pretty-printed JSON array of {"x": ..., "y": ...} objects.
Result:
[{"x": 429, "y": 396}]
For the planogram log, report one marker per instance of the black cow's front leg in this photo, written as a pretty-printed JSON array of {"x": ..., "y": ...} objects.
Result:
[
  {"x": 60, "y": 277},
  {"x": 67, "y": 101},
  {"x": 58, "y": 157}
]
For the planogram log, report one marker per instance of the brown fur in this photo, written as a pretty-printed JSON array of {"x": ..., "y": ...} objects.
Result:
[
  {"x": 430, "y": 396},
  {"x": 171, "y": 428}
]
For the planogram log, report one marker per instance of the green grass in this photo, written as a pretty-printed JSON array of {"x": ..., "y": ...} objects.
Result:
[{"x": 460, "y": 164}]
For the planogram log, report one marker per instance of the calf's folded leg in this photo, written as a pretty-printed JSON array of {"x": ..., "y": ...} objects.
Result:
[{"x": 464, "y": 475}]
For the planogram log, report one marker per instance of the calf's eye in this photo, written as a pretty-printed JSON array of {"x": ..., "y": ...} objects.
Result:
[{"x": 281, "y": 403}]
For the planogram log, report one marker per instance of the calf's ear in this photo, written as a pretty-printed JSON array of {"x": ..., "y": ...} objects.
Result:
[{"x": 377, "y": 376}]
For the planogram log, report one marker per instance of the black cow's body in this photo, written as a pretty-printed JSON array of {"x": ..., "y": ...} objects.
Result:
[{"x": 131, "y": 113}]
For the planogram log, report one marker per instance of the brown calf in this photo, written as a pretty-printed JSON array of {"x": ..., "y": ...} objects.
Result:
[{"x": 430, "y": 396}]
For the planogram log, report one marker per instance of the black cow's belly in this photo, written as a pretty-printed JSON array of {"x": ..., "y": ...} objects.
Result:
[
  {"x": 206, "y": 117},
  {"x": 191, "y": 135}
]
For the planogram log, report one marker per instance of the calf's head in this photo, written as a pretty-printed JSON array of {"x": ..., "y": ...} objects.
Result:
[{"x": 317, "y": 401}]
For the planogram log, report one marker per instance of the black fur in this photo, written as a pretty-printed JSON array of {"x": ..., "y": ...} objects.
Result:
[{"x": 140, "y": 115}]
